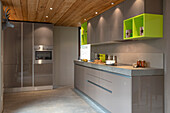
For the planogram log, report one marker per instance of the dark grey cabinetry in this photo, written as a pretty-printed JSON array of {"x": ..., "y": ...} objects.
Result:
[
  {"x": 108, "y": 26},
  {"x": 136, "y": 7},
  {"x": 27, "y": 54},
  {"x": 12, "y": 56},
  {"x": 133, "y": 8},
  {"x": 19, "y": 68},
  {"x": 135, "y": 94},
  {"x": 116, "y": 23},
  {"x": 43, "y": 74},
  {"x": 110, "y": 90},
  {"x": 91, "y": 31},
  {"x": 43, "y": 34}
]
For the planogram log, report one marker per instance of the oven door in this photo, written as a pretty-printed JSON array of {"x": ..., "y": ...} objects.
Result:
[{"x": 44, "y": 56}]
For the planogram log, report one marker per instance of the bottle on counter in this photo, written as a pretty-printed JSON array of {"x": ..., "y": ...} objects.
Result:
[
  {"x": 143, "y": 63},
  {"x": 139, "y": 63}
]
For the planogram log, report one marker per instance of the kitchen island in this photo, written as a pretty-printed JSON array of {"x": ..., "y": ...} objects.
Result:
[{"x": 122, "y": 89}]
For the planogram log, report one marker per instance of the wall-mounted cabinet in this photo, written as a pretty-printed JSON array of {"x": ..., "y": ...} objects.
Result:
[
  {"x": 108, "y": 26},
  {"x": 84, "y": 33},
  {"x": 143, "y": 26}
]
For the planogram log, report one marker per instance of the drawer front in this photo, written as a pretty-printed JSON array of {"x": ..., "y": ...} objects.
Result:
[
  {"x": 93, "y": 78},
  {"x": 93, "y": 72},
  {"x": 106, "y": 80}
]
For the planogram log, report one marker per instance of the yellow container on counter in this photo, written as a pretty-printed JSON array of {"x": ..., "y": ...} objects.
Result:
[{"x": 102, "y": 57}]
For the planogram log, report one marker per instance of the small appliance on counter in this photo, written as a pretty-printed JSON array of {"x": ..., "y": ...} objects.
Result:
[
  {"x": 112, "y": 60},
  {"x": 102, "y": 57}
]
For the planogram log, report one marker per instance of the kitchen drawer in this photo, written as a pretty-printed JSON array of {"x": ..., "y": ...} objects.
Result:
[
  {"x": 93, "y": 72},
  {"x": 106, "y": 80},
  {"x": 93, "y": 78},
  {"x": 105, "y": 99},
  {"x": 106, "y": 76},
  {"x": 92, "y": 91},
  {"x": 121, "y": 95}
]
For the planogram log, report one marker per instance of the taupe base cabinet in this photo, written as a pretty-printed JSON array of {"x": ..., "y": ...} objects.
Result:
[{"x": 121, "y": 93}]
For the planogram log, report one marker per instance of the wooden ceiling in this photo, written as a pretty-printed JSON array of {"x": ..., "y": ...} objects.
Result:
[{"x": 64, "y": 13}]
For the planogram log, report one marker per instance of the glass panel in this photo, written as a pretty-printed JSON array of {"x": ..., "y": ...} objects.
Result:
[
  {"x": 27, "y": 54},
  {"x": 12, "y": 56},
  {"x": 43, "y": 74}
]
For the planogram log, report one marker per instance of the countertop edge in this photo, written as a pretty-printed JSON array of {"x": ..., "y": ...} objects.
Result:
[{"x": 123, "y": 71}]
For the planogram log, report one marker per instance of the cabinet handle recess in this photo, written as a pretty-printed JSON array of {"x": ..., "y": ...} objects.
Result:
[{"x": 99, "y": 86}]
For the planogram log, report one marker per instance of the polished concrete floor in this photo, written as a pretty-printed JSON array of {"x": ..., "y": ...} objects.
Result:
[{"x": 61, "y": 100}]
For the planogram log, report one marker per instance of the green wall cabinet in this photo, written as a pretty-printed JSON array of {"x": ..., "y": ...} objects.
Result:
[
  {"x": 84, "y": 33},
  {"x": 143, "y": 26}
]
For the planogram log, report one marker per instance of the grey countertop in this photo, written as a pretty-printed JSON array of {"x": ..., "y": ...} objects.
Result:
[{"x": 124, "y": 70}]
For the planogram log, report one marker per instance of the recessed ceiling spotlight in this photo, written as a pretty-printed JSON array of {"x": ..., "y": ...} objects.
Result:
[
  {"x": 96, "y": 13},
  {"x": 46, "y": 16},
  {"x": 85, "y": 19},
  {"x": 79, "y": 23},
  {"x": 112, "y": 3},
  {"x": 51, "y": 8}
]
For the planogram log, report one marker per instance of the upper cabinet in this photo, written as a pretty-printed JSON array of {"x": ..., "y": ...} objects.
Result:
[
  {"x": 84, "y": 33},
  {"x": 108, "y": 26},
  {"x": 43, "y": 34},
  {"x": 144, "y": 26}
]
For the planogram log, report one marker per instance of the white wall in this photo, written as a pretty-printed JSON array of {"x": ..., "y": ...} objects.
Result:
[
  {"x": 1, "y": 78},
  {"x": 65, "y": 51}
]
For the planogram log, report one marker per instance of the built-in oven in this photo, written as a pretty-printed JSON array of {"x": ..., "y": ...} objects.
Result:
[{"x": 43, "y": 54}]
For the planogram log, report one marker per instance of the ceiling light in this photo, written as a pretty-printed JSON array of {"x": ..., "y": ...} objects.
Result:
[
  {"x": 51, "y": 8},
  {"x": 112, "y": 3},
  {"x": 46, "y": 16},
  {"x": 96, "y": 13},
  {"x": 84, "y": 19},
  {"x": 79, "y": 23}
]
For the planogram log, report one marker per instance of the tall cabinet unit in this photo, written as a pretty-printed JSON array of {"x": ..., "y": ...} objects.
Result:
[
  {"x": 12, "y": 56},
  {"x": 20, "y": 71},
  {"x": 27, "y": 54},
  {"x": 43, "y": 35}
]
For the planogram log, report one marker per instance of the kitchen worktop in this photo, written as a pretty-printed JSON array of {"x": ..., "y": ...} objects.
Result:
[{"x": 123, "y": 69}]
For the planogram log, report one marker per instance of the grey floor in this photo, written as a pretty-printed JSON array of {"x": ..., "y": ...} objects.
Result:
[{"x": 62, "y": 100}]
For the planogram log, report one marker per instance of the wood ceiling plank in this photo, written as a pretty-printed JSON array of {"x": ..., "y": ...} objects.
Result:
[
  {"x": 41, "y": 9},
  {"x": 65, "y": 6},
  {"x": 47, "y": 9},
  {"x": 90, "y": 6},
  {"x": 64, "y": 13},
  {"x": 56, "y": 6},
  {"x": 17, "y": 8},
  {"x": 73, "y": 11},
  {"x": 24, "y": 7},
  {"x": 32, "y": 9},
  {"x": 90, "y": 13}
]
